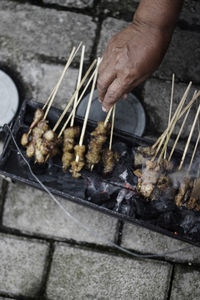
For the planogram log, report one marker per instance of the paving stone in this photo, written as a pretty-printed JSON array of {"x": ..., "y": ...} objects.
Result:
[
  {"x": 146, "y": 241},
  {"x": 190, "y": 13},
  {"x": 182, "y": 57},
  {"x": 109, "y": 27},
  {"x": 6, "y": 298},
  {"x": 28, "y": 29},
  {"x": 185, "y": 284},
  {"x": 40, "y": 79},
  {"x": 157, "y": 99},
  {"x": 22, "y": 263},
  {"x": 81, "y": 274},
  {"x": 31, "y": 210},
  {"x": 122, "y": 9},
  {"x": 71, "y": 3},
  {"x": 1, "y": 147}
]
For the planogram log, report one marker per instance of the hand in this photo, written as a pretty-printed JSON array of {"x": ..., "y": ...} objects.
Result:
[{"x": 131, "y": 56}]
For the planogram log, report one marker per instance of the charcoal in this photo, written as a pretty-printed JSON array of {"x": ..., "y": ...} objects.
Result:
[{"x": 116, "y": 193}]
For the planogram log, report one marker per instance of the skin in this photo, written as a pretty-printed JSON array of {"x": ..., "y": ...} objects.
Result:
[{"x": 133, "y": 54}]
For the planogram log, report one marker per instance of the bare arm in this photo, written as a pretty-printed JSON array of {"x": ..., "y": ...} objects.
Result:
[{"x": 133, "y": 54}]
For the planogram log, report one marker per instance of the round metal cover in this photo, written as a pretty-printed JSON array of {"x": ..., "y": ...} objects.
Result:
[
  {"x": 130, "y": 115},
  {"x": 9, "y": 99}
]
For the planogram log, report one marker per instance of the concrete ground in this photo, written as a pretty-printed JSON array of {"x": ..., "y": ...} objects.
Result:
[{"x": 43, "y": 254}]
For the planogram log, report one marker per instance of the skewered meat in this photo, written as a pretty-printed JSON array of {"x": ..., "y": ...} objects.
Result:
[
  {"x": 148, "y": 178},
  {"x": 194, "y": 200},
  {"x": 142, "y": 154},
  {"x": 68, "y": 145},
  {"x": 76, "y": 166},
  {"x": 38, "y": 115},
  {"x": 182, "y": 190},
  {"x": 25, "y": 139},
  {"x": 96, "y": 143},
  {"x": 109, "y": 158}
]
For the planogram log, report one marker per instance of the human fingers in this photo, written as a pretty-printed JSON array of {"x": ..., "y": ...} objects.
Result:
[
  {"x": 105, "y": 78},
  {"x": 113, "y": 94}
]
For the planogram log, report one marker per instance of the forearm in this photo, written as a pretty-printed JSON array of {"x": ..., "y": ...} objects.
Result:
[{"x": 159, "y": 14}]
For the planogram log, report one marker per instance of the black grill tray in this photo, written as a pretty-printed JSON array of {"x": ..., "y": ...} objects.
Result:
[{"x": 62, "y": 184}]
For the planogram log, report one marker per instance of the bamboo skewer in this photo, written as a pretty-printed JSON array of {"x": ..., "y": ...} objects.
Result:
[
  {"x": 173, "y": 122},
  {"x": 170, "y": 133},
  {"x": 167, "y": 129},
  {"x": 88, "y": 109},
  {"x": 59, "y": 83},
  {"x": 112, "y": 126},
  {"x": 179, "y": 134},
  {"x": 78, "y": 101},
  {"x": 189, "y": 139},
  {"x": 74, "y": 95},
  {"x": 194, "y": 152},
  {"x": 108, "y": 116},
  {"x": 170, "y": 107},
  {"x": 70, "y": 59},
  {"x": 78, "y": 82}
]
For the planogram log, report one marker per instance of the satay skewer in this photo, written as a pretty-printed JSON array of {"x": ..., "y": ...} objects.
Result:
[
  {"x": 189, "y": 139},
  {"x": 69, "y": 61},
  {"x": 55, "y": 90},
  {"x": 163, "y": 135},
  {"x": 78, "y": 82},
  {"x": 74, "y": 95},
  {"x": 78, "y": 101},
  {"x": 194, "y": 152},
  {"x": 112, "y": 126},
  {"x": 88, "y": 109},
  {"x": 170, "y": 107},
  {"x": 172, "y": 123},
  {"x": 179, "y": 134}
]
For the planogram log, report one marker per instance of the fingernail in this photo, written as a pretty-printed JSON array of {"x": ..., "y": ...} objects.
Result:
[{"x": 103, "y": 108}]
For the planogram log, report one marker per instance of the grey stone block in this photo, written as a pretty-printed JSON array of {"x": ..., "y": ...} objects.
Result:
[
  {"x": 33, "y": 211},
  {"x": 182, "y": 57},
  {"x": 32, "y": 31},
  {"x": 39, "y": 79},
  {"x": 71, "y": 3},
  {"x": 190, "y": 13},
  {"x": 185, "y": 284},
  {"x": 110, "y": 27},
  {"x": 22, "y": 263},
  {"x": 81, "y": 274},
  {"x": 124, "y": 9},
  {"x": 157, "y": 101},
  {"x": 147, "y": 241},
  {"x": 1, "y": 298}
]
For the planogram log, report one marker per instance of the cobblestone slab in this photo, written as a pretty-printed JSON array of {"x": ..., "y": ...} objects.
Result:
[
  {"x": 182, "y": 57},
  {"x": 6, "y": 298},
  {"x": 124, "y": 9},
  {"x": 185, "y": 284},
  {"x": 31, "y": 210},
  {"x": 71, "y": 3},
  {"x": 81, "y": 274},
  {"x": 1, "y": 147},
  {"x": 39, "y": 79},
  {"x": 109, "y": 27},
  {"x": 191, "y": 12},
  {"x": 22, "y": 264},
  {"x": 147, "y": 241},
  {"x": 34, "y": 31},
  {"x": 157, "y": 96}
]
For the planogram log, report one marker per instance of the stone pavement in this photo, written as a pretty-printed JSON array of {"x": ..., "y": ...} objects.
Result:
[{"x": 43, "y": 254}]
